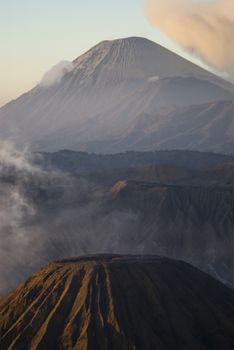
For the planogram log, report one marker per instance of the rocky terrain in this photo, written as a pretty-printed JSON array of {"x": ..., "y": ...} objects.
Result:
[
  {"x": 118, "y": 302},
  {"x": 74, "y": 203},
  {"x": 190, "y": 223}
]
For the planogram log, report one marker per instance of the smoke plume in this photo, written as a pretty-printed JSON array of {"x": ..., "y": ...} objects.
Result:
[
  {"x": 49, "y": 215},
  {"x": 204, "y": 28},
  {"x": 17, "y": 160},
  {"x": 56, "y": 73}
]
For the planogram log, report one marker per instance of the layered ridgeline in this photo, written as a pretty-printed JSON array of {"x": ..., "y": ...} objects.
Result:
[
  {"x": 118, "y": 303},
  {"x": 127, "y": 94},
  {"x": 190, "y": 223},
  {"x": 130, "y": 203}
]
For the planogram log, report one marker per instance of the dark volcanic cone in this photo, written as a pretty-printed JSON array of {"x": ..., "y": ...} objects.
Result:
[{"x": 116, "y": 302}]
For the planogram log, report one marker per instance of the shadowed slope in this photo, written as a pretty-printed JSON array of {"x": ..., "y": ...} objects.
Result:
[
  {"x": 114, "y": 302},
  {"x": 193, "y": 223}
]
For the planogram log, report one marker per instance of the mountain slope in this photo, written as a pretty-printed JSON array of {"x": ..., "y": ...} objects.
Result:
[
  {"x": 96, "y": 104},
  {"x": 209, "y": 126},
  {"x": 118, "y": 302},
  {"x": 194, "y": 224},
  {"x": 157, "y": 207}
]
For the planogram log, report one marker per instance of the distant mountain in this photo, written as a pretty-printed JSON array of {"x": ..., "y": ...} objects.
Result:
[
  {"x": 82, "y": 162},
  {"x": 118, "y": 303},
  {"x": 126, "y": 94},
  {"x": 201, "y": 127}
]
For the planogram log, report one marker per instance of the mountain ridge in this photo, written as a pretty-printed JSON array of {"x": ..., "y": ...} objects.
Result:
[
  {"x": 137, "y": 46},
  {"x": 97, "y": 104}
]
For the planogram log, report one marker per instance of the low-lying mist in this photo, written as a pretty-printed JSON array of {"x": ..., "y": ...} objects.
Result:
[
  {"x": 48, "y": 215},
  {"x": 56, "y": 206}
]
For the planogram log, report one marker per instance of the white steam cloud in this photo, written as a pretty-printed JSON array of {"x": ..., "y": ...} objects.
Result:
[
  {"x": 14, "y": 209},
  {"x": 48, "y": 215},
  {"x": 204, "y": 28},
  {"x": 18, "y": 160},
  {"x": 153, "y": 79},
  {"x": 56, "y": 73}
]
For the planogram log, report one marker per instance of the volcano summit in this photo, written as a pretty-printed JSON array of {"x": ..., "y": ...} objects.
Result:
[
  {"x": 118, "y": 303},
  {"x": 126, "y": 94}
]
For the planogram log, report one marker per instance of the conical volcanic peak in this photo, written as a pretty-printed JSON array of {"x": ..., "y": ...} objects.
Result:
[
  {"x": 121, "y": 303},
  {"x": 134, "y": 58},
  {"x": 120, "y": 95}
]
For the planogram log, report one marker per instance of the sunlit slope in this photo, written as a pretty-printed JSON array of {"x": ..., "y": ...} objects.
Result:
[{"x": 118, "y": 302}]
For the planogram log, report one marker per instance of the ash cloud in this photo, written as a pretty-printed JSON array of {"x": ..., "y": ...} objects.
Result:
[
  {"x": 204, "y": 28},
  {"x": 48, "y": 215}
]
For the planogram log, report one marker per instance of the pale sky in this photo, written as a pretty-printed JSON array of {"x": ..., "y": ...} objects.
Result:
[{"x": 35, "y": 35}]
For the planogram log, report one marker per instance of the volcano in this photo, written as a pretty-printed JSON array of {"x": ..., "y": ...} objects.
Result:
[
  {"x": 118, "y": 302},
  {"x": 120, "y": 95}
]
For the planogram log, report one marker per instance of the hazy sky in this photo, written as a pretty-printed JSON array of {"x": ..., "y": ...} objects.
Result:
[{"x": 35, "y": 35}]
